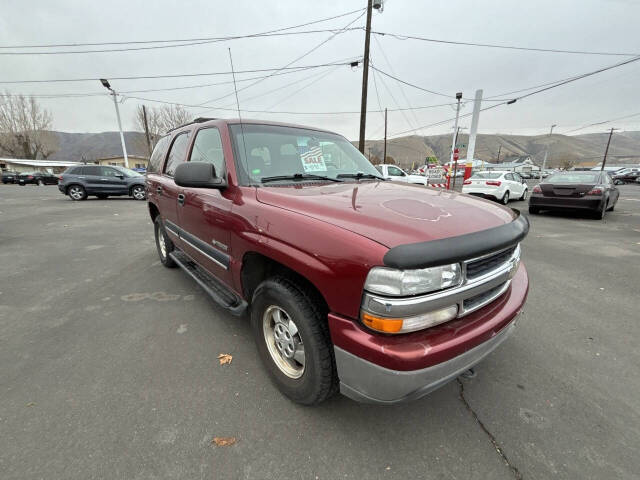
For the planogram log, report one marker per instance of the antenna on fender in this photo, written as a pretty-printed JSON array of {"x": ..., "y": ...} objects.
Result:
[{"x": 235, "y": 88}]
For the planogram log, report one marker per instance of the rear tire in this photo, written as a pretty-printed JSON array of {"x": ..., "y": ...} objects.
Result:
[
  {"x": 163, "y": 243},
  {"x": 534, "y": 210},
  {"x": 289, "y": 326},
  {"x": 599, "y": 214},
  {"x": 505, "y": 198},
  {"x": 138, "y": 193},
  {"x": 523, "y": 197},
  {"x": 40, "y": 183}
]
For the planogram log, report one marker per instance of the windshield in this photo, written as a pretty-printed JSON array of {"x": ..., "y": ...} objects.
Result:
[
  {"x": 491, "y": 175},
  {"x": 574, "y": 177},
  {"x": 127, "y": 172},
  {"x": 272, "y": 150}
]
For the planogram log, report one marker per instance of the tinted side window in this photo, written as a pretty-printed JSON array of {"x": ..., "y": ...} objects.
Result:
[
  {"x": 159, "y": 152},
  {"x": 207, "y": 147},
  {"x": 109, "y": 172},
  {"x": 177, "y": 153},
  {"x": 91, "y": 170},
  {"x": 74, "y": 171}
]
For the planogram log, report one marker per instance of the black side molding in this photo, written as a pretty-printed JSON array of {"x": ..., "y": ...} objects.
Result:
[{"x": 456, "y": 249}]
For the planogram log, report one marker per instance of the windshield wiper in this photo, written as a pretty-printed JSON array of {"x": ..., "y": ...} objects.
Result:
[
  {"x": 299, "y": 176},
  {"x": 359, "y": 175}
]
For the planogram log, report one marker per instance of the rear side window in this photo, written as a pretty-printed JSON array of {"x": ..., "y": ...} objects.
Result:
[
  {"x": 159, "y": 152},
  {"x": 95, "y": 170},
  {"x": 74, "y": 171},
  {"x": 207, "y": 147},
  {"x": 177, "y": 153}
]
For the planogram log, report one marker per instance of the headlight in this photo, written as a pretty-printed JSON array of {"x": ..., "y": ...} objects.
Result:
[{"x": 388, "y": 281}]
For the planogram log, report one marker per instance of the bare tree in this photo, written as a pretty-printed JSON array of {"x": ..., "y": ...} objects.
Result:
[
  {"x": 162, "y": 119},
  {"x": 24, "y": 128}
]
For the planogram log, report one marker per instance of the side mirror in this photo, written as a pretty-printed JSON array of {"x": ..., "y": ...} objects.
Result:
[
  {"x": 120, "y": 176},
  {"x": 198, "y": 175}
]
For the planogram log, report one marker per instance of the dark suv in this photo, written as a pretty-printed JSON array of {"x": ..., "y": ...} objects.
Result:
[{"x": 101, "y": 181}]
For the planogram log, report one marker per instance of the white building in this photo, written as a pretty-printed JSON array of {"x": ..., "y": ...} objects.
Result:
[
  {"x": 23, "y": 165},
  {"x": 523, "y": 164}
]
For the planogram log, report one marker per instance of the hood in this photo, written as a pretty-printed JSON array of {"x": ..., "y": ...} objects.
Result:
[{"x": 389, "y": 213}]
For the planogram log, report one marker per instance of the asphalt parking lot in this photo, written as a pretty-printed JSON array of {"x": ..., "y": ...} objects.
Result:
[{"x": 109, "y": 368}]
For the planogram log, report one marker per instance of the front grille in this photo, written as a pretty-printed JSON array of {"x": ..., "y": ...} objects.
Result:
[
  {"x": 477, "y": 301},
  {"x": 482, "y": 266}
]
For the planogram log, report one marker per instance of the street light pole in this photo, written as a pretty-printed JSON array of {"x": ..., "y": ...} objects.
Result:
[
  {"x": 105, "y": 84},
  {"x": 546, "y": 152}
]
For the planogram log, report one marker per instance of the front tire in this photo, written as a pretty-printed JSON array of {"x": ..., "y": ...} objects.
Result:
[
  {"x": 293, "y": 341},
  {"x": 163, "y": 243}
]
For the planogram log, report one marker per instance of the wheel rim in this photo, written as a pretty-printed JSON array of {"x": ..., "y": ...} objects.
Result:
[
  {"x": 138, "y": 193},
  {"x": 283, "y": 341},
  {"x": 76, "y": 193},
  {"x": 162, "y": 244}
]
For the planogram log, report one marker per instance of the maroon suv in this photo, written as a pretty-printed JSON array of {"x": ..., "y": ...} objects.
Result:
[{"x": 384, "y": 291}]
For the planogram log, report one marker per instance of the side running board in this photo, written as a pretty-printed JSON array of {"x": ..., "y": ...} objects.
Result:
[{"x": 214, "y": 287}]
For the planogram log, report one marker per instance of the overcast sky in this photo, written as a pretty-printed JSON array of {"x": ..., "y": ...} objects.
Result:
[{"x": 594, "y": 25}]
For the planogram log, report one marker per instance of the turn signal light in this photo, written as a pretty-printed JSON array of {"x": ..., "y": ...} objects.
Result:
[
  {"x": 386, "y": 325},
  {"x": 495, "y": 183}
]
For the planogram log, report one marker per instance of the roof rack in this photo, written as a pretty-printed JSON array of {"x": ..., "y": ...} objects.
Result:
[{"x": 196, "y": 120}]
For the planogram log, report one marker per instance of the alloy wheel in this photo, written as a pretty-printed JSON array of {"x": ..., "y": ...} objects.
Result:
[
  {"x": 76, "y": 193},
  {"x": 283, "y": 341},
  {"x": 138, "y": 193}
]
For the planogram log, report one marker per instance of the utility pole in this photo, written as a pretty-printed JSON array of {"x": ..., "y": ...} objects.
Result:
[
  {"x": 455, "y": 137},
  {"x": 606, "y": 150},
  {"x": 499, "y": 150},
  {"x": 146, "y": 129},
  {"x": 105, "y": 84},
  {"x": 385, "y": 136},
  {"x": 546, "y": 152},
  {"x": 365, "y": 77},
  {"x": 455, "y": 165}
]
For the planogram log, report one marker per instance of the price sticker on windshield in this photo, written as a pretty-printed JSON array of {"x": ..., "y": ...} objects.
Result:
[{"x": 313, "y": 161}]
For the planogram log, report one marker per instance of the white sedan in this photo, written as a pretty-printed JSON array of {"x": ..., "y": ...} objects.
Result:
[{"x": 500, "y": 186}]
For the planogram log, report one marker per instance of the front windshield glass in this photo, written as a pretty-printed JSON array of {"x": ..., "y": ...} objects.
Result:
[
  {"x": 573, "y": 177},
  {"x": 127, "y": 172},
  {"x": 274, "y": 150}
]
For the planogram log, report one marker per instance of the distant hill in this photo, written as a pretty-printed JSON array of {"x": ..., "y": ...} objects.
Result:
[
  {"x": 75, "y": 147},
  {"x": 588, "y": 148}
]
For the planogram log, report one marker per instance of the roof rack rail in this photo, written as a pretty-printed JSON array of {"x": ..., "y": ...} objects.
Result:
[{"x": 196, "y": 120}]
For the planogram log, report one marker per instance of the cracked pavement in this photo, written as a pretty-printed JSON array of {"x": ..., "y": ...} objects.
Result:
[{"x": 109, "y": 368}]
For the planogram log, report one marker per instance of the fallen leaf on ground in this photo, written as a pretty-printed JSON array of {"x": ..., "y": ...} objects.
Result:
[
  {"x": 31, "y": 404},
  {"x": 225, "y": 358},
  {"x": 224, "y": 441}
]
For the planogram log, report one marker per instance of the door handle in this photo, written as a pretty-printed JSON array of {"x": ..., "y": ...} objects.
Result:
[
  {"x": 159, "y": 190},
  {"x": 181, "y": 199}
]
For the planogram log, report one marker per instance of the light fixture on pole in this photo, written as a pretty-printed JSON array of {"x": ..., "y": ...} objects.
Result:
[
  {"x": 107, "y": 85},
  {"x": 546, "y": 152}
]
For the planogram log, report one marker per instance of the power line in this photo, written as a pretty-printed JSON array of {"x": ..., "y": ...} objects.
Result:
[
  {"x": 180, "y": 75},
  {"x": 175, "y": 45},
  {"x": 288, "y": 65},
  {"x": 175, "y": 40},
  {"x": 601, "y": 123},
  {"x": 410, "y": 84},
  {"x": 509, "y": 102},
  {"x": 507, "y": 47}
]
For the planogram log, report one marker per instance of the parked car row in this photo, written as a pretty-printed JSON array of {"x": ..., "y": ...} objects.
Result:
[
  {"x": 584, "y": 190},
  {"x": 83, "y": 181}
]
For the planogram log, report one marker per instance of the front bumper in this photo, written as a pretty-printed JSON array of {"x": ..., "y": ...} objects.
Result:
[
  {"x": 367, "y": 382},
  {"x": 387, "y": 369}
]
